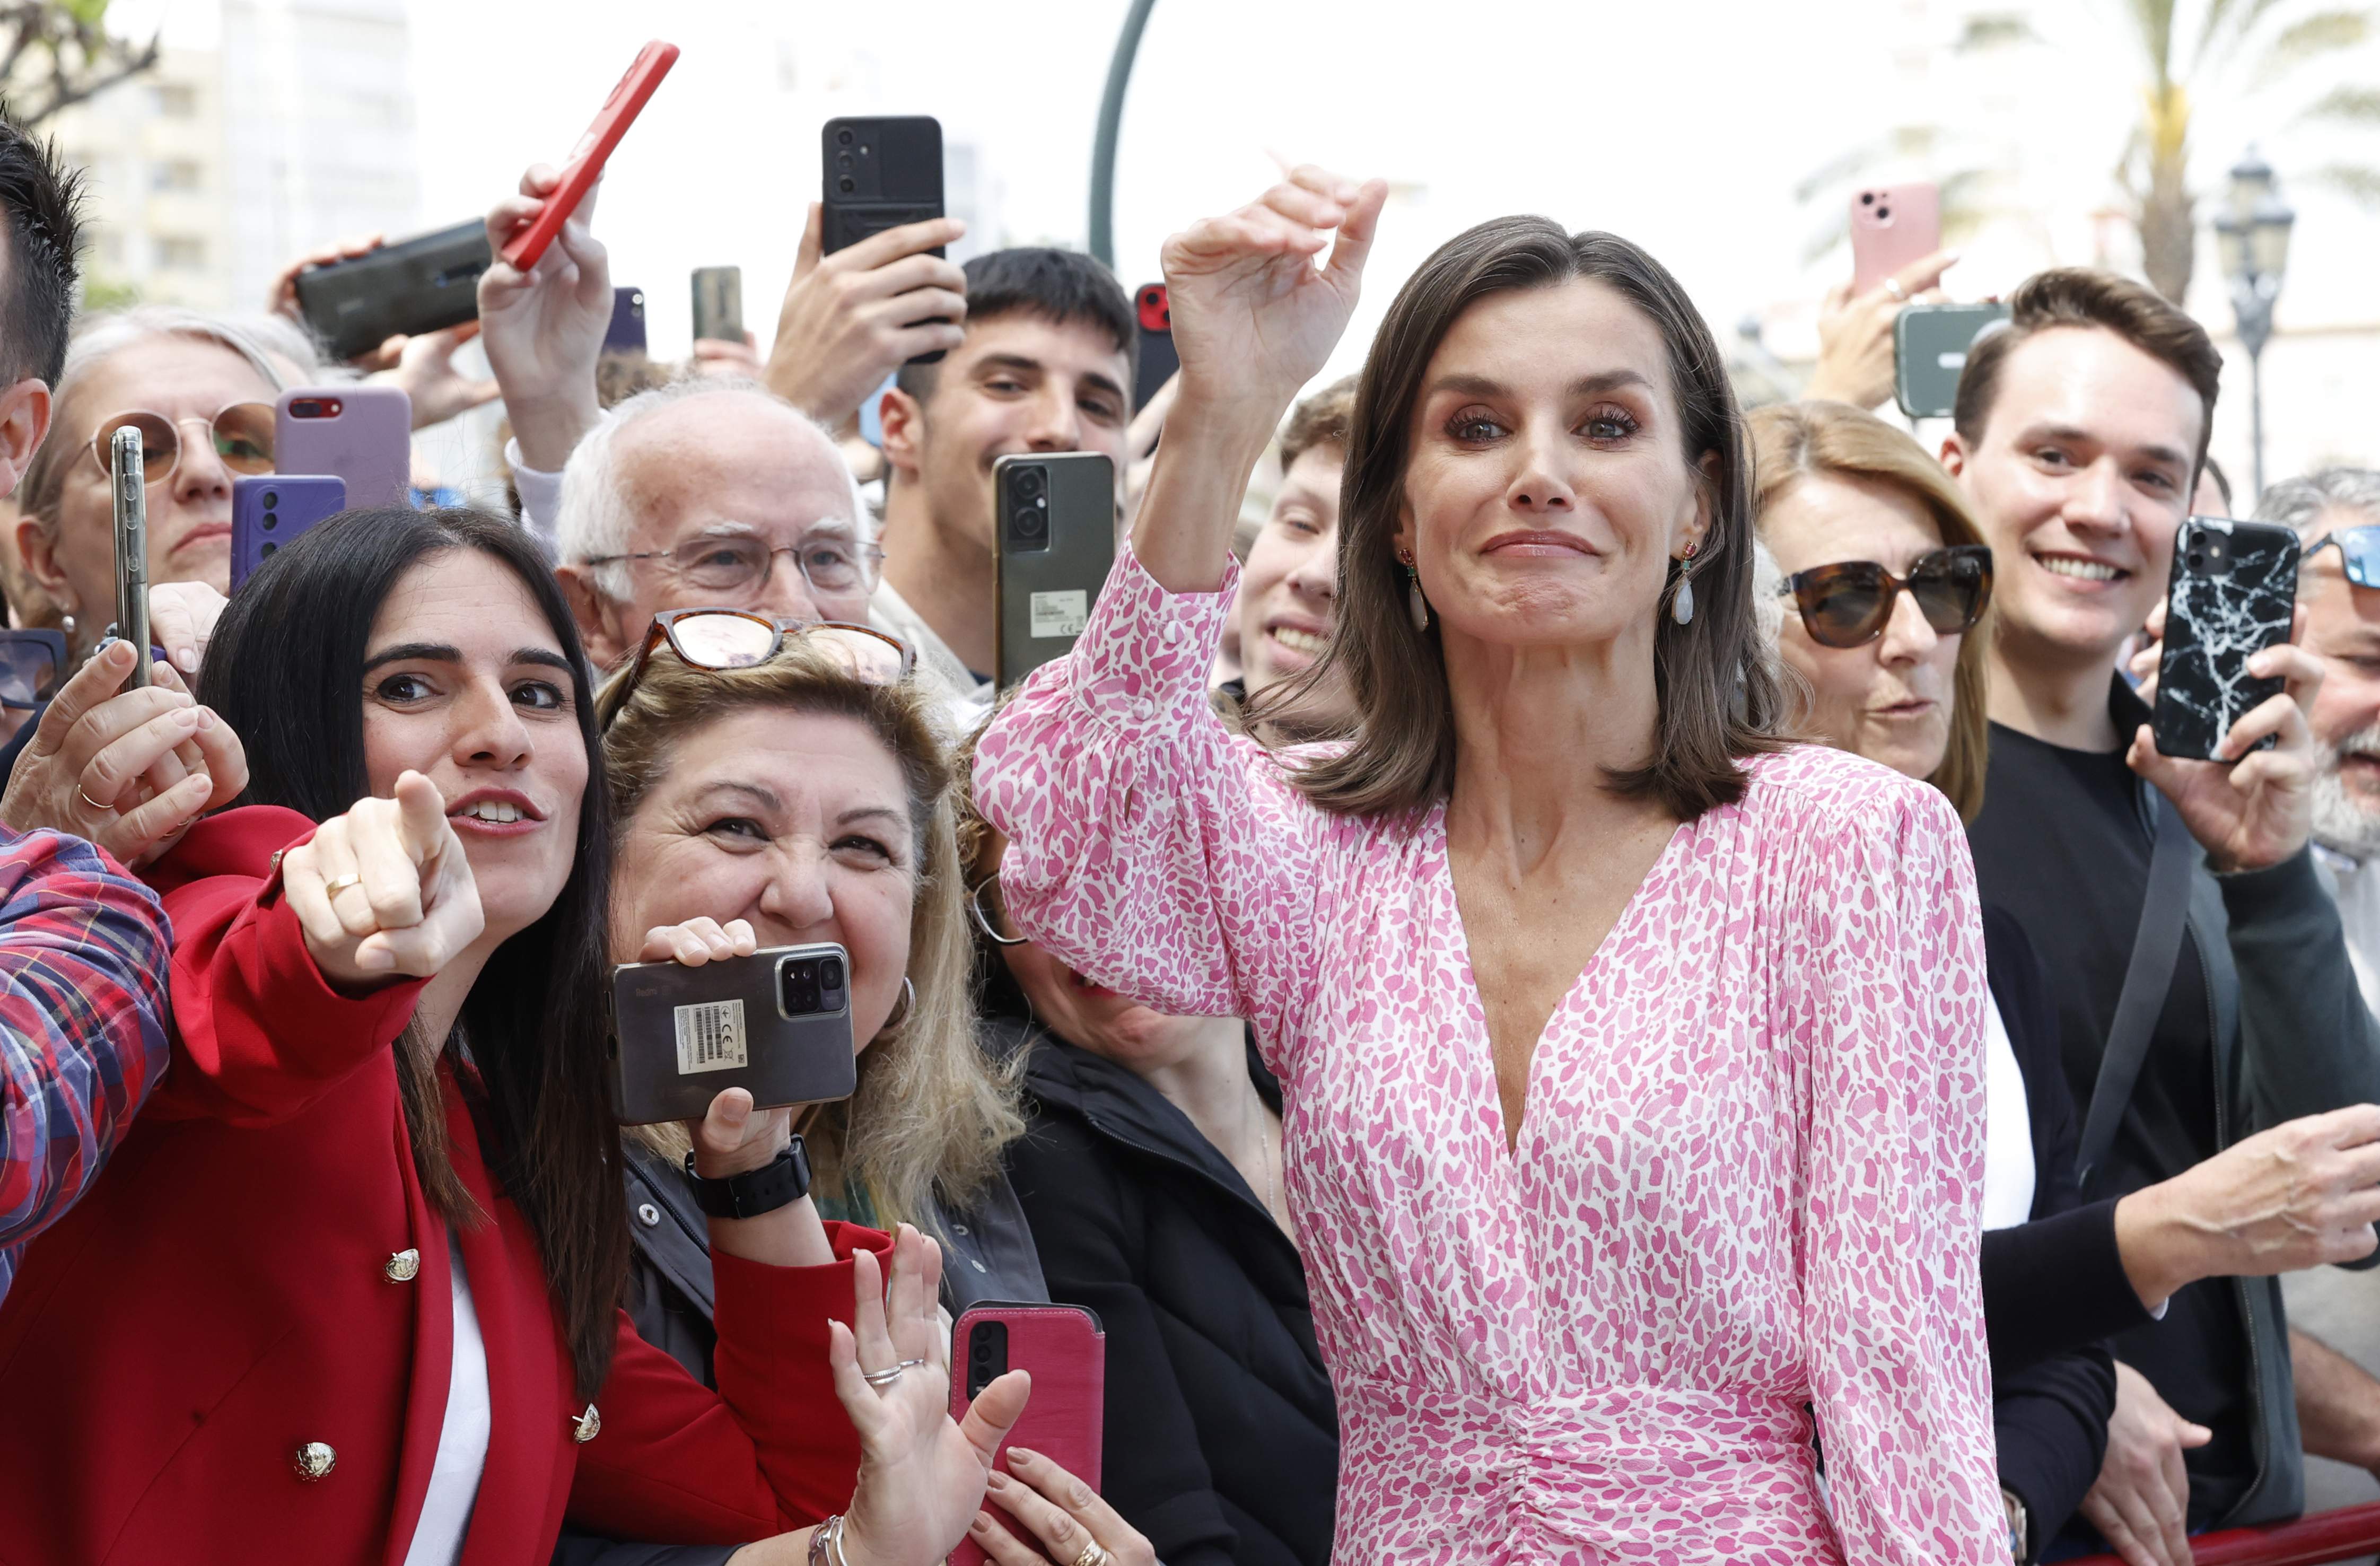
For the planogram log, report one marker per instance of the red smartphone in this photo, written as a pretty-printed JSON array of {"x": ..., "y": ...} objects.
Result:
[
  {"x": 1153, "y": 311},
  {"x": 1893, "y": 226},
  {"x": 363, "y": 434},
  {"x": 586, "y": 159},
  {"x": 1062, "y": 1347}
]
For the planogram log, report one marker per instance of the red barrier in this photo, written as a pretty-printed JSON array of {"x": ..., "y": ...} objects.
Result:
[{"x": 2317, "y": 1540}]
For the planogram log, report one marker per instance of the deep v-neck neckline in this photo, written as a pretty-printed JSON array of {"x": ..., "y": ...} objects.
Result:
[{"x": 1590, "y": 973}]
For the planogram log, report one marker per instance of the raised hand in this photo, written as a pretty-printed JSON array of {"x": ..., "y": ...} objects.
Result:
[
  {"x": 1855, "y": 332},
  {"x": 921, "y": 1474},
  {"x": 544, "y": 328},
  {"x": 425, "y": 372},
  {"x": 385, "y": 891},
  {"x": 129, "y": 771},
  {"x": 852, "y": 318},
  {"x": 1254, "y": 317}
]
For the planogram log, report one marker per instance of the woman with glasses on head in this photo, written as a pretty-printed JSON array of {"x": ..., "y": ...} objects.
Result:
[
  {"x": 780, "y": 786},
  {"x": 1879, "y": 585},
  {"x": 1629, "y": 1056},
  {"x": 379, "y": 1185}
]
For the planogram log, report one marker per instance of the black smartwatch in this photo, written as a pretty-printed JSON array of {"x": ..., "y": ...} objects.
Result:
[{"x": 784, "y": 1179}]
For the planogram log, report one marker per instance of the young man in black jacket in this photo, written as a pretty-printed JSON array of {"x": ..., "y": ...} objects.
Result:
[{"x": 2081, "y": 428}]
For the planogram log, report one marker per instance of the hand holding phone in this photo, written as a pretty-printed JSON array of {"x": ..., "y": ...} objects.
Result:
[
  {"x": 1929, "y": 353},
  {"x": 1055, "y": 518},
  {"x": 585, "y": 165},
  {"x": 425, "y": 284},
  {"x": 1893, "y": 226},
  {"x": 884, "y": 174},
  {"x": 2232, "y": 593},
  {"x": 697, "y": 1021},
  {"x": 1064, "y": 1350},
  {"x": 851, "y": 318}
]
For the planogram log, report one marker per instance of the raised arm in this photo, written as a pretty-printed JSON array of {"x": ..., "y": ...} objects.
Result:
[
  {"x": 1893, "y": 1312},
  {"x": 82, "y": 1022}
]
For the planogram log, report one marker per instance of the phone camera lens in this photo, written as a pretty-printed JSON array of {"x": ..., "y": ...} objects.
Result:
[
  {"x": 843, "y": 137},
  {"x": 830, "y": 973},
  {"x": 1884, "y": 211},
  {"x": 1030, "y": 523},
  {"x": 271, "y": 521},
  {"x": 269, "y": 549},
  {"x": 801, "y": 982},
  {"x": 844, "y": 160},
  {"x": 1868, "y": 198},
  {"x": 1030, "y": 481},
  {"x": 271, "y": 499},
  {"x": 847, "y": 185}
]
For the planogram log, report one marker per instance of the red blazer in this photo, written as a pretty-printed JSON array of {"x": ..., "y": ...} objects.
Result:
[{"x": 227, "y": 1295}]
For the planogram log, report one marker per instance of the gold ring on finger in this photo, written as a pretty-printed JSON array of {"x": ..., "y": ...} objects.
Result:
[
  {"x": 337, "y": 884},
  {"x": 89, "y": 801},
  {"x": 1092, "y": 1555}
]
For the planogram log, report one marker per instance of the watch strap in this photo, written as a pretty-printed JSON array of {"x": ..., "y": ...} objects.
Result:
[{"x": 780, "y": 1181}]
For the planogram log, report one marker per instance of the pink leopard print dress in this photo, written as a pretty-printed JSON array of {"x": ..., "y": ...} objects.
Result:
[{"x": 1746, "y": 1186}]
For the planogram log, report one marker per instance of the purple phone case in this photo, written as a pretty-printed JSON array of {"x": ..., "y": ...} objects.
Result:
[
  {"x": 269, "y": 510},
  {"x": 370, "y": 444}
]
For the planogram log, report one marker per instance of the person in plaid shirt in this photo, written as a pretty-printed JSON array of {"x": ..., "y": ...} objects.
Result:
[{"x": 83, "y": 1023}]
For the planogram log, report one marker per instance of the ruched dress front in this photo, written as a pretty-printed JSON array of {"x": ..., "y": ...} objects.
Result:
[{"x": 1743, "y": 1205}]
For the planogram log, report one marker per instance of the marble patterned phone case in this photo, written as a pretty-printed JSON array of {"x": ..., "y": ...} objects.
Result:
[{"x": 2233, "y": 589}]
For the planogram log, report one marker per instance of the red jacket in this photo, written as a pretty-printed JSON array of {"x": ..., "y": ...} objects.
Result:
[{"x": 226, "y": 1295}]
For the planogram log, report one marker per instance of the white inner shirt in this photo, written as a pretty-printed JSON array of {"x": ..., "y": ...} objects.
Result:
[
  {"x": 462, "y": 1437},
  {"x": 2008, "y": 1128}
]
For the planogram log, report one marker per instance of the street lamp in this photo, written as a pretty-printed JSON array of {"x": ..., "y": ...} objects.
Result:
[{"x": 2251, "y": 235}]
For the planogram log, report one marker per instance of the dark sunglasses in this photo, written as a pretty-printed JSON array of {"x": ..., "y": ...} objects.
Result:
[
  {"x": 1850, "y": 602},
  {"x": 737, "y": 638},
  {"x": 2359, "y": 555},
  {"x": 242, "y": 434},
  {"x": 30, "y": 662}
]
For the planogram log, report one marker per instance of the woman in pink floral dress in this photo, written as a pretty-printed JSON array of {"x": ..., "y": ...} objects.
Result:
[{"x": 1632, "y": 1060}]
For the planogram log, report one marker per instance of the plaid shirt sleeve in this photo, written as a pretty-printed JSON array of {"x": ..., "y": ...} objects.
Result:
[{"x": 83, "y": 1023}]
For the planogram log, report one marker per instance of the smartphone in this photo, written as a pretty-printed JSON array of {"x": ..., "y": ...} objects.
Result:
[
  {"x": 626, "y": 333},
  {"x": 719, "y": 304},
  {"x": 1929, "y": 352},
  {"x": 1153, "y": 319},
  {"x": 880, "y": 173},
  {"x": 776, "y": 1023},
  {"x": 1065, "y": 1351},
  {"x": 361, "y": 435},
  {"x": 270, "y": 509},
  {"x": 30, "y": 662},
  {"x": 2232, "y": 592},
  {"x": 424, "y": 284},
  {"x": 128, "y": 485},
  {"x": 1056, "y": 517},
  {"x": 1893, "y": 226},
  {"x": 586, "y": 159}
]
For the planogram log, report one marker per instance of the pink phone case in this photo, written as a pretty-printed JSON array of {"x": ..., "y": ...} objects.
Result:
[
  {"x": 364, "y": 434},
  {"x": 1893, "y": 226},
  {"x": 1062, "y": 1347}
]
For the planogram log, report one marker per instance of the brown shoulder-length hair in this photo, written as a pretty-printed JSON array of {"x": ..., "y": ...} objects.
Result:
[
  {"x": 1795, "y": 440},
  {"x": 933, "y": 1113},
  {"x": 1718, "y": 696}
]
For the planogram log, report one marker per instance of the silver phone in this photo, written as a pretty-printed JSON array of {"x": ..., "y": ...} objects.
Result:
[{"x": 128, "y": 480}]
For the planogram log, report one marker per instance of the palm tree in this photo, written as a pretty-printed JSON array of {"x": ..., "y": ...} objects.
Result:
[
  {"x": 2243, "y": 63},
  {"x": 2240, "y": 54}
]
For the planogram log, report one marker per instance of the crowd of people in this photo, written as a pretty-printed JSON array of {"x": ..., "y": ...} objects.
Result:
[{"x": 1620, "y": 979}]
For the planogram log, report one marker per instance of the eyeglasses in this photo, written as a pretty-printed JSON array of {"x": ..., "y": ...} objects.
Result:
[
  {"x": 991, "y": 911},
  {"x": 736, "y": 639},
  {"x": 242, "y": 434},
  {"x": 2359, "y": 555},
  {"x": 30, "y": 661},
  {"x": 1850, "y": 602},
  {"x": 734, "y": 563}
]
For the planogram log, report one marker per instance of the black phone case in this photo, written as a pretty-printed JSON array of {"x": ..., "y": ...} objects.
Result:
[
  {"x": 681, "y": 1036},
  {"x": 1047, "y": 583},
  {"x": 2232, "y": 592},
  {"x": 896, "y": 171},
  {"x": 424, "y": 284}
]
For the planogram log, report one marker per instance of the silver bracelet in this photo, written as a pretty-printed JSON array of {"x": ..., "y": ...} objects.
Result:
[{"x": 825, "y": 1538}]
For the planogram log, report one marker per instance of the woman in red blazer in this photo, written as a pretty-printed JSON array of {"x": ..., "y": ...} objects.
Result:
[{"x": 251, "y": 1341}]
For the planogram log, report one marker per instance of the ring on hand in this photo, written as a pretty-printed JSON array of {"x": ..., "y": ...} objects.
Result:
[
  {"x": 337, "y": 884},
  {"x": 89, "y": 801},
  {"x": 1092, "y": 1555},
  {"x": 890, "y": 1374},
  {"x": 1892, "y": 286}
]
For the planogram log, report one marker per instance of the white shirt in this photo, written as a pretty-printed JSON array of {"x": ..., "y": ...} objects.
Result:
[
  {"x": 462, "y": 1437},
  {"x": 2008, "y": 1128}
]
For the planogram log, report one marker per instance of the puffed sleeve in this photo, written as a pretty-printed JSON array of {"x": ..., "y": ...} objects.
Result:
[
  {"x": 1893, "y": 1170},
  {"x": 1148, "y": 848}
]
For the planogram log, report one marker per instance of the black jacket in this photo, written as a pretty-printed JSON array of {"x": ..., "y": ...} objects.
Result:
[
  {"x": 986, "y": 1254},
  {"x": 1221, "y": 1441},
  {"x": 2052, "y": 1286}
]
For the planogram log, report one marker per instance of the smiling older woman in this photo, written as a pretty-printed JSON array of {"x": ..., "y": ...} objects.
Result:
[{"x": 1631, "y": 1059}]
